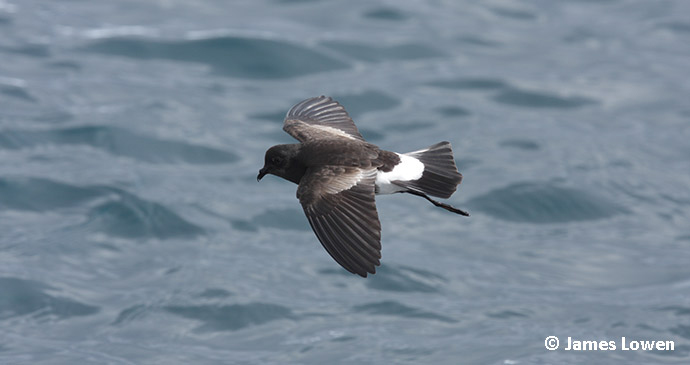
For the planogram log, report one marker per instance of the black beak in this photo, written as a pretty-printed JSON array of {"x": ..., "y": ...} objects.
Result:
[{"x": 262, "y": 173}]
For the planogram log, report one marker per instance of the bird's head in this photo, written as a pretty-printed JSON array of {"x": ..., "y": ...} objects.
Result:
[{"x": 280, "y": 161}]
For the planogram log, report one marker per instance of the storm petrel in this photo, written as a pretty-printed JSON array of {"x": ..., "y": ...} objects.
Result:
[{"x": 338, "y": 173}]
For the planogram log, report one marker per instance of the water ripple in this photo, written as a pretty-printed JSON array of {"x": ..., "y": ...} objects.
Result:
[
  {"x": 405, "y": 279},
  {"x": 677, "y": 27},
  {"x": 367, "y": 101},
  {"x": 290, "y": 219},
  {"x": 393, "y": 308},
  {"x": 212, "y": 293},
  {"x": 470, "y": 84},
  {"x": 67, "y": 65},
  {"x": 385, "y": 13},
  {"x": 407, "y": 51},
  {"x": 677, "y": 310},
  {"x": 119, "y": 142},
  {"x": 130, "y": 314},
  {"x": 681, "y": 330},
  {"x": 129, "y": 216},
  {"x": 506, "y": 314},
  {"x": 514, "y": 13},
  {"x": 31, "y": 50},
  {"x": 535, "y": 99},
  {"x": 479, "y": 41},
  {"x": 36, "y": 194},
  {"x": 17, "y": 93},
  {"x": 521, "y": 144},
  {"x": 122, "y": 214},
  {"x": 544, "y": 203},
  {"x": 511, "y": 95},
  {"x": 21, "y": 297},
  {"x": 231, "y": 317},
  {"x": 229, "y": 55},
  {"x": 453, "y": 111}
]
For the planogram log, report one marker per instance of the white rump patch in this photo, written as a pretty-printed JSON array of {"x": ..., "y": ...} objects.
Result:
[{"x": 408, "y": 169}]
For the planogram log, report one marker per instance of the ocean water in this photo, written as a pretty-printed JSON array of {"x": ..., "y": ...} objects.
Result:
[{"x": 133, "y": 231}]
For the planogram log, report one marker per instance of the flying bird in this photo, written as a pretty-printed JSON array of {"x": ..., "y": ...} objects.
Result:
[{"x": 338, "y": 174}]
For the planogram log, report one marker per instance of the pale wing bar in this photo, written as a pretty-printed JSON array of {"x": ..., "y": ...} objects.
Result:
[{"x": 320, "y": 117}]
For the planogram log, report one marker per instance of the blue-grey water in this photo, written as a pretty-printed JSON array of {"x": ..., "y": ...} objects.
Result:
[{"x": 133, "y": 231}]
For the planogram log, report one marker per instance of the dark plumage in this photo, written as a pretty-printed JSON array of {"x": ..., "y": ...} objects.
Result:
[{"x": 339, "y": 173}]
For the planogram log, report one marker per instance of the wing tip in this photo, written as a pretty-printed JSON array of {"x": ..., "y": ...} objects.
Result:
[
  {"x": 324, "y": 111},
  {"x": 309, "y": 103},
  {"x": 371, "y": 270}
]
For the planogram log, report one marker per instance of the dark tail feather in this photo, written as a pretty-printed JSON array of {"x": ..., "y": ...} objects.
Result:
[{"x": 440, "y": 177}]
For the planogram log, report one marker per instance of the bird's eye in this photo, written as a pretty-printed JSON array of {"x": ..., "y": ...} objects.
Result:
[{"x": 276, "y": 160}]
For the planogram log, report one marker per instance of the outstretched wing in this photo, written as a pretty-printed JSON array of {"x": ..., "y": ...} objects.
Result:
[
  {"x": 340, "y": 206},
  {"x": 320, "y": 118}
]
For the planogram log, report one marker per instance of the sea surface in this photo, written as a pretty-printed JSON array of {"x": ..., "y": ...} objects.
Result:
[{"x": 133, "y": 231}]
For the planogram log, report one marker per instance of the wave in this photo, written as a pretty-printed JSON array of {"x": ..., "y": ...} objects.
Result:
[
  {"x": 121, "y": 214},
  {"x": 118, "y": 142},
  {"x": 234, "y": 56},
  {"x": 536, "y": 202},
  {"x": 22, "y": 297}
]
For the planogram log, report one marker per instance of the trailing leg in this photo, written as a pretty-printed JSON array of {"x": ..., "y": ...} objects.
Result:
[{"x": 439, "y": 204}]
